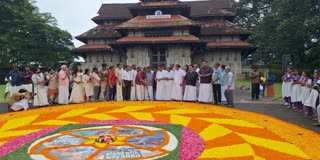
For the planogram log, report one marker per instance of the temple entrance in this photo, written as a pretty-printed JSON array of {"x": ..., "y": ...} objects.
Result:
[{"x": 159, "y": 57}]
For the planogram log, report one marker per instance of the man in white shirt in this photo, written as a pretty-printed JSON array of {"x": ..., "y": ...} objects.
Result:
[
  {"x": 179, "y": 75},
  {"x": 126, "y": 83},
  {"x": 168, "y": 83},
  {"x": 160, "y": 78},
  {"x": 230, "y": 87},
  {"x": 133, "y": 73}
]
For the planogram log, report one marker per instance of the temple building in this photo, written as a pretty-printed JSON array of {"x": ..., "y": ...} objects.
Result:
[{"x": 154, "y": 32}]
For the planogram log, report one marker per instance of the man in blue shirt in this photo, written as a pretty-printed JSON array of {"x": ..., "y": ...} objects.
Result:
[
  {"x": 149, "y": 89},
  {"x": 15, "y": 78},
  {"x": 216, "y": 77}
]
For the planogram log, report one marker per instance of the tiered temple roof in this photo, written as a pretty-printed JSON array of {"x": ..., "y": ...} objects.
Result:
[
  {"x": 222, "y": 27},
  {"x": 99, "y": 32},
  {"x": 208, "y": 17},
  {"x": 157, "y": 40},
  {"x": 143, "y": 22},
  {"x": 93, "y": 47}
]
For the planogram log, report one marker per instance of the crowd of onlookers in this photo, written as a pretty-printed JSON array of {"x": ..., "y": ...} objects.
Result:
[
  {"x": 187, "y": 83},
  {"x": 300, "y": 90}
]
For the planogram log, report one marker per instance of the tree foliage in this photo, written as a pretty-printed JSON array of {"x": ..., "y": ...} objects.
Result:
[
  {"x": 28, "y": 37},
  {"x": 282, "y": 27}
]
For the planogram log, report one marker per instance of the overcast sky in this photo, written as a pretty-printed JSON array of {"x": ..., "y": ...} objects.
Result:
[{"x": 75, "y": 15}]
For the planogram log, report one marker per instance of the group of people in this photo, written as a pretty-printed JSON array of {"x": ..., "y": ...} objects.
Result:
[
  {"x": 301, "y": 93},
  {"x": 260, "y": 84},
  {"x": 122, "y": 83}
]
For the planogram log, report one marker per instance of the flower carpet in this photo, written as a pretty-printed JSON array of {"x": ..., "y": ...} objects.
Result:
[{"x": 152, "y": 130}]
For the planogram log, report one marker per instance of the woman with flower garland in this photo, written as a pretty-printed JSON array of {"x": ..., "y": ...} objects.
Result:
[{"x": 77, "y": 89}]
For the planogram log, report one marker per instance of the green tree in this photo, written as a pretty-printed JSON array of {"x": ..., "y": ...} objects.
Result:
[
  {"x": 27, "y": 36},
  {"x": 282, "y": 27}
]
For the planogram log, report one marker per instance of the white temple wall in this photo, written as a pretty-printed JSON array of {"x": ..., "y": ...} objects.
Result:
[
  {"x": 229, "y": 58},
  {"x": 138, "y": 55},
  {"x": 179, "y": 55},
  {"x": 96, "y": 60}
]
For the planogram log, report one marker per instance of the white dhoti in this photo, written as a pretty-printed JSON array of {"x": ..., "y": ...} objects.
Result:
[
  {"x": 168, "y": 90},
  {"x": 305, "y": 93},
  {"x": 103, "y": 92},
  {"x": 8, "y": 88},
  {"x": 77, "y": 94},
  {"x": 160, "y": 91},
  {"x": 63, "y": 95},
  {"x": 176, "y": 93},
  {"x": 286, "y": 89},
  {"x": 133, "y": 93},
  {"x": 312, "y": 99},
  {"x": 119, "y": 92},
  {"x": 27, "y": 87},
  {"x": 223, "y": 97},
  {"x": 206, "y": 93},
  {"x": 148, "y": 93},
  {"x": 282, "y": 89},
  {"x": 14, "y": 89},
  {"x": 41, "y": 98},
  {"x": 140, "y": 92},
  {"x": 295, "y": 94},
  {"x": 190, "y": 93},
  {"x": 20, "y": 105}
]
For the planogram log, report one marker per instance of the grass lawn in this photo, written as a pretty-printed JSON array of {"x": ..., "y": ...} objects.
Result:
[
  {"x": 277, "y": 87},
  {"x": 2, "y": 88}
]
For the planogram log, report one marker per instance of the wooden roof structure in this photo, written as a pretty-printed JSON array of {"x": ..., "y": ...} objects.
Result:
[{"x": 207, "y": 18}]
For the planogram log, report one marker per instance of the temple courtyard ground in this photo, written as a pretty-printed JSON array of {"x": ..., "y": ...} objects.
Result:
[{"x": 160, "y": 130}]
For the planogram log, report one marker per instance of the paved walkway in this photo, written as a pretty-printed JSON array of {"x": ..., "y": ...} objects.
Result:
[{"x": 265, "y": 106}]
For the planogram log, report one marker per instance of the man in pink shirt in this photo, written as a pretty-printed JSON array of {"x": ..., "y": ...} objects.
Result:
[
  {"x": 63, "y": 85},
  {"x": 96, "y": 83},
  {"x": 255, "y": 83}
]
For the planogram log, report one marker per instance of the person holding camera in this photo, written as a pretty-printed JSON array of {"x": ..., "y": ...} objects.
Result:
[{"x": 19, "y": 101}]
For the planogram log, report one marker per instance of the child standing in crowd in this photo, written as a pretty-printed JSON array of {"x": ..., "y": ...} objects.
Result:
[
  {"x": 263, "y": 81},
  {"x": 87, "y": 85},
  {"x": 112, "y": 83}
]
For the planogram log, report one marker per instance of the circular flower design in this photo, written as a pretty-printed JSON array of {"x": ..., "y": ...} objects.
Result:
[{"x": 107, "y": 142}]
